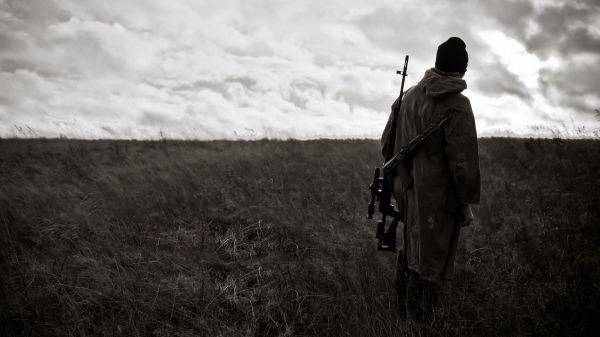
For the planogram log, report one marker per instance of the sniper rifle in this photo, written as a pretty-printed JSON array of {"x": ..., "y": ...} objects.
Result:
[{"x": 382, "y": 186}]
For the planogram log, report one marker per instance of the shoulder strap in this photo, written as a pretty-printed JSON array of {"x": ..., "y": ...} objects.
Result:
[
  {"x": 433, "y": 127},
  {"x": 409, "y": 149}
]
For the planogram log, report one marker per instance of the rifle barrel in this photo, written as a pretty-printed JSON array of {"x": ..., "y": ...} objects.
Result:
[{"x": 392, "y": 135}]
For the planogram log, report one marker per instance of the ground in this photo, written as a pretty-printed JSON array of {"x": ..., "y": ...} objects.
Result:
[{"x": 270, "y": 238}]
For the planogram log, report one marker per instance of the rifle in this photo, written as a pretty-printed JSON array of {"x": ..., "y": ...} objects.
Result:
[{"x": 382, "y": 187}]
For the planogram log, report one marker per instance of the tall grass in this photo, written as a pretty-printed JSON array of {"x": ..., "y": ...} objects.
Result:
[{"x": 268, "y": 238}]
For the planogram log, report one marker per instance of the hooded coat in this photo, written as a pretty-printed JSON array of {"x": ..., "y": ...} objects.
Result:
[{"x": 445, "y": 171}]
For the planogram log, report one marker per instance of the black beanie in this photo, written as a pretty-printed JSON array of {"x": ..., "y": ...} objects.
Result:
[{"x": 452, "y": 56}]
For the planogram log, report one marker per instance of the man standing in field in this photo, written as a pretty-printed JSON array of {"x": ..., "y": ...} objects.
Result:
[{"x": 445, "y": 178}]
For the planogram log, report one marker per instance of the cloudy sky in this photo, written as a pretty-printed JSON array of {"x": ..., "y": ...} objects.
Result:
[{"x": 303, "y": 69}]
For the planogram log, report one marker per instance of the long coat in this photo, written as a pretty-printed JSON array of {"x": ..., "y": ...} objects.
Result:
[{"x": 445, "y": 170}]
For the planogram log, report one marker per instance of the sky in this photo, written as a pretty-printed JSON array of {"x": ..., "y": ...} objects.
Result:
[{"x": 235, "y": 69}]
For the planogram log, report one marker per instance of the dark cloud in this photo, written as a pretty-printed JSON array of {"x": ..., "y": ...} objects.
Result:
[
  {"x": 582, "y": 40},
  {"x": 36, "y": 13},
  {"x": 11, "y": 64},
  {"x": 513, "y": 16},
  {"x": 572, "y": 83},
  {"x": 9, "y": 43},
  {"x": 565, "y": 33},
  {"x": 512, "y": 12},
  {"x": 420, "y": 29},
  {"x": 548, "y": 28},
  {"x": 496, "y": 81},
  {"x": 574, "y": 78},
  {"x": 564, "y": 29}
]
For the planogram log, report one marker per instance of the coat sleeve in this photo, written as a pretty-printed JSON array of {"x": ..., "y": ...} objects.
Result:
[
  {"x": 386, "y": 142},
  {"x": 463, "y": 154}
]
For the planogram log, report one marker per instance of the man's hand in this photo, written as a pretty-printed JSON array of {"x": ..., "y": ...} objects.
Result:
[{"x": 466, "y": 215}]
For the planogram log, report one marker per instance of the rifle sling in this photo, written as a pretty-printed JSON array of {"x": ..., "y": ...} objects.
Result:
[{"x": 410, "y": 149}]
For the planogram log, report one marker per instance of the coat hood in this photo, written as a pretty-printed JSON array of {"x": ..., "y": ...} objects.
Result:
[{"x": 436, "y": 83}]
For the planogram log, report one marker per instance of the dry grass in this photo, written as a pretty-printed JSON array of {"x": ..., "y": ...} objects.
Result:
[{"x": 268, "y": 238}]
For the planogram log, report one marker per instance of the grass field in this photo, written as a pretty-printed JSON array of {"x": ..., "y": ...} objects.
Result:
[{"x": 269, "y": 238}]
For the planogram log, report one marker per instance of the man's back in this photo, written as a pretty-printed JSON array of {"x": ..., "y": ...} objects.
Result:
[
  {"x": 447, "y": 151},
  {"x": 445, "y": 172}
]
